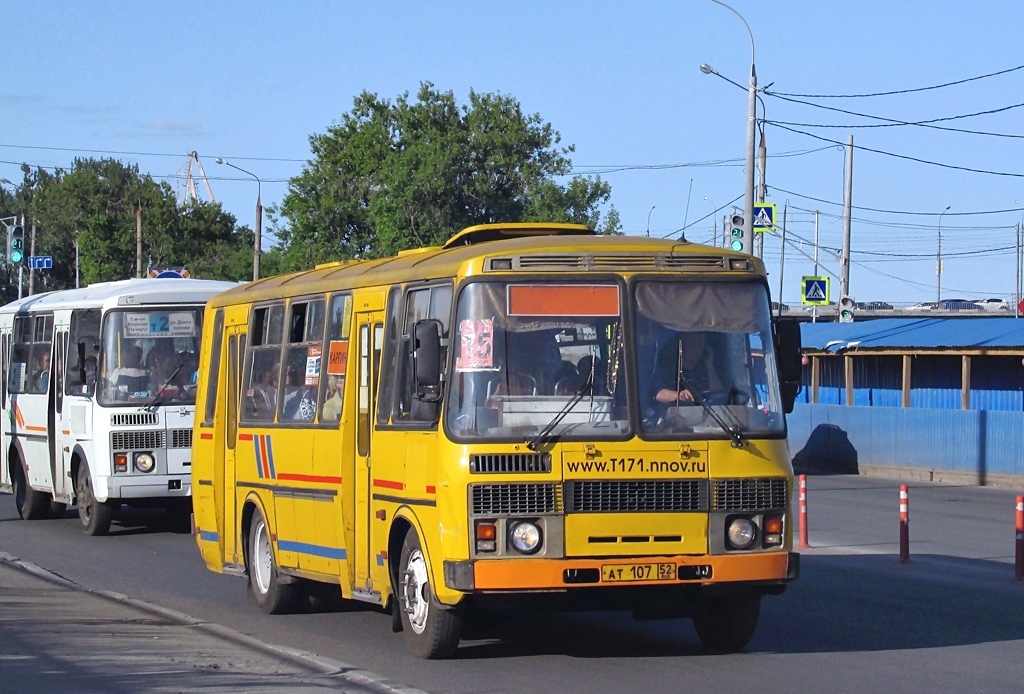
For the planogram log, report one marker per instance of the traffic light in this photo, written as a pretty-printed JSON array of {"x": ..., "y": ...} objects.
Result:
[
  {"x": 16, "y": 245},
  {"x": 736, "y": 233},
  {"x": 846, "y": 307}
]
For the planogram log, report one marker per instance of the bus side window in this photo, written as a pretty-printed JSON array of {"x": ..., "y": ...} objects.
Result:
[
  {"x": 303, "y": 358},
  {"x": 263, "y": 364},
  {"x": 335, "y": 361}
]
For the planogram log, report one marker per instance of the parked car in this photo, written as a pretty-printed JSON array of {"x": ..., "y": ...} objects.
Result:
[
  {"x": 872, "y": 306},
  {"x": 776, "y": 305},
  {"x": 923, "y": 306},
  {"x": 995, "y": 304},
  {"x": 958, "y": 305}
]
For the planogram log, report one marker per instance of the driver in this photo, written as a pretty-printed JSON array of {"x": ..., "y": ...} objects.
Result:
[{"x": 676, "y": 386}]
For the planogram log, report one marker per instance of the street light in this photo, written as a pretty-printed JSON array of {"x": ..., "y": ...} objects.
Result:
[
  {"x": 748, "y": 198},
  {"x": 938, "y": 260},
  {"x": 649, "y": 219},
  {"x": 257, "y": 246}
]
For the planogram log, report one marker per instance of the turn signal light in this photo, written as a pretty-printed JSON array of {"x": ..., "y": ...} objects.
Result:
[
  {"x": 486, "y": 535},
  {"x": 772, "y": 531}
]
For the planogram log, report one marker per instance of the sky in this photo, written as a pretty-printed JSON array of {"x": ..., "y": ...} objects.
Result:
[{"x": 250, "y": 82}]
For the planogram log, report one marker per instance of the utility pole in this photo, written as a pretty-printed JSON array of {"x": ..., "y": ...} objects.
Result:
[
  {"x": 844, "y": 262},
  {"x": 814, "y": 308},
  {"x": 762, "y": 190},
  {"x": 138, "y": 240},
  {"x": 31, "y": 253}
]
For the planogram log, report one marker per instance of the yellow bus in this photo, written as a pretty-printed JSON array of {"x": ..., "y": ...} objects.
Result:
[{"x": 528, "y": 415}]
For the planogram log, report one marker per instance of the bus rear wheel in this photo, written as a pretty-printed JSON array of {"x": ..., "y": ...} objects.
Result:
[
  {"x": 727, "y": 623},
  {"x": 431, "y": 631},
  {"x": 271, "y": 594},
  {"x": 32, "y": 504},
  {"x": 94, "y": 515}
]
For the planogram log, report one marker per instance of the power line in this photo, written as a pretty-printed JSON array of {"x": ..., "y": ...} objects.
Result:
[
  {"x": 136, "y": 154},
  {"x": 907, "y": 157},
  {"x": 900, "y": 91},
  {"x": 875, "y": 209}
]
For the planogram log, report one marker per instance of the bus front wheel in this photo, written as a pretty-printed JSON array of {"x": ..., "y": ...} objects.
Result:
[
  {"x": 32, "y": 505},
  {"x": 727, "y": 623},
  {"x": 95, "y": 515},
  {"x": 271, "y": 594},
  {"x": 431, "y": 631}
]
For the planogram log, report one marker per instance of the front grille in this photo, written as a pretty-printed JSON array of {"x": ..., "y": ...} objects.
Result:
[
  {"x": 510, "y": 462},
  {"x": 750, "y": 495},
  {"x": 134, "y": 419},
  {"x": 181, "y": 438},
  {"x": 515, "y": 499},
  {"x": 653, "y": 495},
  {"x": 136, "y": 440}
]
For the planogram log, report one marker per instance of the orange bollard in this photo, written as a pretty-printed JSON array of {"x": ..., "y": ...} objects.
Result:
[
  {"x": 1019, "y": 559},
  {"x": 904, "y": 524},
  {"x": 803, "y": 513}
]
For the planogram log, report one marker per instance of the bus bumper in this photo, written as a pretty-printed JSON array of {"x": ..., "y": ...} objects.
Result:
[
  {"x": 564, "y": 574},
  {"x": 156, "y": 487}
]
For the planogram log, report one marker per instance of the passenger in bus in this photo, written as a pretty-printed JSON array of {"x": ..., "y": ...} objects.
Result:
[
  {"x": 331, "y": 411},
  {"x": 42, "y": 374},
  {"x": 264, "y": 394},
  {"x": 299, "y": 400}
]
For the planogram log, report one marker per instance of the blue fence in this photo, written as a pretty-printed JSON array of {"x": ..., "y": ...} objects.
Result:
[{"x": 841, "y": 438}]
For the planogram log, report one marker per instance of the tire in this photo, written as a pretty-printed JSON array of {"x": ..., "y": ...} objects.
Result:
[
  {"x": 179, "y": 511},
  {"x": 32, "y": 504},
  {"x": 94, "y": 515},
  {"x": 57, "y": 509},
  {"x": 271, "y": 594},
  {"x": 727, "y": 623},
  {"x": 431, "y": 630}
]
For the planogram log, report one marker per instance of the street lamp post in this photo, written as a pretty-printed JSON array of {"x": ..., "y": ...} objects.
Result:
[
  {"x": 257, "y": 244},
  {"x": 938, "y": 260},
  {"x": 649, "y": 219},
  {"x": 748, "y": 193}
]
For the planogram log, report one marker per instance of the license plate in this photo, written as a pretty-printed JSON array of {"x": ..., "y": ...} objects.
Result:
[{"x": 622, "y": 573}]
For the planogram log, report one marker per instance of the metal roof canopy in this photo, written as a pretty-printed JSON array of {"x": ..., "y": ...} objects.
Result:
[{"x": 996, "y": 335}]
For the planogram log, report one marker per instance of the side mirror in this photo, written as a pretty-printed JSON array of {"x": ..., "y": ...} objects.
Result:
[
  {"x": 787, "y": 353},
  {"x": 426, "y": 359}
]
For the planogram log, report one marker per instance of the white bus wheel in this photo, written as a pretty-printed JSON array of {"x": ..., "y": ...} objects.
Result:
[
  {"x": 32, "y": 505},
  {"x": 431, "y": 631},
  {"x": 94, "y": 515},
  {"x": 271, "y": 594}
]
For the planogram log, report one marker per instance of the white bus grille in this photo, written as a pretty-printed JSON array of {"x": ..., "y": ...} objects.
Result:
[
  {"x": 136, "y": 440},
  {"x": 132, "y": 419}
]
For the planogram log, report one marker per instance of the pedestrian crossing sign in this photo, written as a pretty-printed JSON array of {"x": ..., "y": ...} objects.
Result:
[
  {"x": 764, "y": 217},
  {"x": 815, "y": 291}
]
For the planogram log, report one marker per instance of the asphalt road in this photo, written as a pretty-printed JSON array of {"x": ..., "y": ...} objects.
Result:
[{"x": 951, "y": 620}]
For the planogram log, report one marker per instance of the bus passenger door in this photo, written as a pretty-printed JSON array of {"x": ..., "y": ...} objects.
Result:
[
  {"x": 370, "y": 337},
  {"x": 231, "y": 528},
  {"x": 61, "y": 441}
]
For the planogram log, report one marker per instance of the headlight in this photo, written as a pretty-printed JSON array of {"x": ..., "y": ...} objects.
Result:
[
  {"x": 145, "y": 462},
  {"x": 742, "y": 532},
  {"x": 525, "y": 537}
]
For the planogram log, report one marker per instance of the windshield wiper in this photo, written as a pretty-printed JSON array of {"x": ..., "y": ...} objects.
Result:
[
  {"x": 734, "y": 432},
  {"x": 543, "y": 435},
  {"x": 148, "y": 407}
]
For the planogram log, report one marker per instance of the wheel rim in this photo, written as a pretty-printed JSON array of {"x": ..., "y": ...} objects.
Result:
[
  {"x": 414, "y": 591},
  {"x": 85, "y": 497},
  {"x": 262, "y": 559}
]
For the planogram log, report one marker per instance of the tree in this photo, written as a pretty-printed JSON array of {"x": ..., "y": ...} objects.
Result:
[{"x": 398, "y": 175}]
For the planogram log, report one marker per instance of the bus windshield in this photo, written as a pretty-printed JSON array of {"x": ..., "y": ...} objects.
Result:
[
  {"x": 527, "y": 355},
  {"x": 149, "y": 356},
  {"x": 551, "y": 360}
]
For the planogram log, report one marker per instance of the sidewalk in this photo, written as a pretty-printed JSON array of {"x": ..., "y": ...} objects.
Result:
[{"x": 56, "y": 635}]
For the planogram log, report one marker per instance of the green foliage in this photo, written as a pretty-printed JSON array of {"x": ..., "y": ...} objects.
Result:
[
  {"x": 398, "y": 175},
  {"x": 97, "y": 203}
]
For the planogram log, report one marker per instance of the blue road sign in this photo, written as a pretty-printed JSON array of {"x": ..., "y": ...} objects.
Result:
[
  {"x": 40, "y": 262},
  {"x": 815, "y": 291},
  {"x": 764, "y": 217}
]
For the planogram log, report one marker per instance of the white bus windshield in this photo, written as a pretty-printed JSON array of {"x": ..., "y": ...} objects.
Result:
[{"x": 149, "y": 354}]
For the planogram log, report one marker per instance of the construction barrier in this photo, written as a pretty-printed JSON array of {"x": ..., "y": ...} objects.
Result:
[
  {"x": 904, "y": 524},
  {"x": 803, "y": 513}
]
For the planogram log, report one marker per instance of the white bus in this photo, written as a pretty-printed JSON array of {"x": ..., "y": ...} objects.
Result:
[{"x": 98, "y": 396}]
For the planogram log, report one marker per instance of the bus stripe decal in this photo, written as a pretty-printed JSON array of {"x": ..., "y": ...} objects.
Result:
[
  {"x": 388, "y": 484},
  {"x": 259, "y": 458},
  {"x": 270, "y": 456},
  {"x": 245, "y": 437},
  {"x": 315, "y": 550},
  {"x": 296, "y": 477},
  {"x": 17, "y": 415},
  {"x": 208, "y": 536},
  {"x": 32, "y": 427},
  {"x": 206, "y": 437},
  {"x": 431, "y": 489}
]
